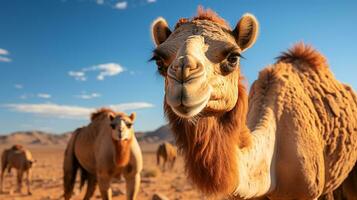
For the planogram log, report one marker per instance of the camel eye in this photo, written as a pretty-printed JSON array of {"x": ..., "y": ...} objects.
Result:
[
  {"x": 233, "y": 58},
  {"x": 128, "y": 124},
  {"x": 160, "y": 64},
  {"x": 230, "y": 63},
  {"x": 113, "y": 126}
]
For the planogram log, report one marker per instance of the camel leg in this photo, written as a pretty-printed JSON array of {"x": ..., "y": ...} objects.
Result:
[
  {"x": 132, "y": 186},
  {"x": 104, "y": 187},
  {"x": 158, "y": 159},
  {"x": 19, "y": 180},
  {"x": 4, "y": 164},
  {"x": 173, "y": 163},
  {"x": 28, "y": 181},
  {"x": 91, "y": 184},
  {"x": 164, "y": 165},
  {"x": 2, "y": 178}
]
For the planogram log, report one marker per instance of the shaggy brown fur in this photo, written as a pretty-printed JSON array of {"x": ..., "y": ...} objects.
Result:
[
  {"x": 349, "y": 186},
  {"x": 316, "y": 102},
  {"x": 204, "y": 14},
  {"x": 17, "y": 147},
  {"x": 122, "y": 152},
  {"x": 305, "y": 54},
  {"x": 102, "y": 112},
  {"x": 347, "y": 190},
  {"x": 209, "y": 145},
  {"x": 168, "y": 153},
  {"x": 21, "y": 159}
]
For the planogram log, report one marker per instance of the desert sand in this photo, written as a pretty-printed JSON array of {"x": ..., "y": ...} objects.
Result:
[{"x": 47, "y": 177}]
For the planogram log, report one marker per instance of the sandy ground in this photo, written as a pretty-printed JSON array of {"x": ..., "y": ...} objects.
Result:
[{"x": 47, "y": 178}]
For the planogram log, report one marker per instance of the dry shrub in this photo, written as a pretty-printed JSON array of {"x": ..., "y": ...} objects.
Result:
[{"x": 149, "y": 173}]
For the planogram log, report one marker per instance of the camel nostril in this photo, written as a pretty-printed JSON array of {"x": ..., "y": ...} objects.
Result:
[
  {"x": 185, "y": 68},
  {"x": 186, "y": 73}
]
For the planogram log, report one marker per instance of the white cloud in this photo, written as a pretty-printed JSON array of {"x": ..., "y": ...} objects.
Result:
[
  {"x": 43, "y": 95},
  {"x": 5, "y": 59},
  {"x": 107, "y": 69},
  {"x": 84, "y": 95},
  {"x": 4, "y": 52},
  {"x": 100, "y": 2},
  {"x": 18, "y": 86},
  {"x": 151, "y": 1},
  {"x": 69, "y": 111},
  {"x": 121, "y": 5},
  {"x": 49, "y": 109},
  {"x": 131, "y": 106},
  {"x": 24, "y": 96},
  {"x": 79, "y": 76},
  {"x": 110, "y": 69},
  {"x": 4, "y": 55}
]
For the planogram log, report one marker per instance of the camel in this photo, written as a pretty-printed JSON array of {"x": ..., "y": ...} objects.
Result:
[
  {"x": 21, "y": 159},
  {"x": 295, "y": 139},
  {"x": 168, "y": 153},
  {"x": 105, "y": 149}
]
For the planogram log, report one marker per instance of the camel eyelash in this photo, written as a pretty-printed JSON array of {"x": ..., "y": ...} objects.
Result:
[
  {"x": 154, "y": 58},
  {"x": 236, "y": 54}
]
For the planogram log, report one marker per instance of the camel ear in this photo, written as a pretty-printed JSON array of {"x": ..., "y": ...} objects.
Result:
[
  {"x": 160, "y": 31},
  {"x": 246, "y": 31},
  {"x": 111, "y": 117},
  {"x": 132, "y": 116}
]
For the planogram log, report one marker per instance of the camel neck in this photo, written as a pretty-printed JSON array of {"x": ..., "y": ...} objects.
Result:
[
  {"x": 256, "y": 163},
  {"x": 122, "y": 152},
  {"x": 210, "y": 147},
  {"x": 228, "y": 154}
]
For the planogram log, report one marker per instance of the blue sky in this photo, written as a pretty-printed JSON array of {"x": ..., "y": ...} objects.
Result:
[{"x": 60, "y": 59}]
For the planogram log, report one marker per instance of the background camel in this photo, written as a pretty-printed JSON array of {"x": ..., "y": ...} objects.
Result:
[
  {"x": 105, "y": 149},
  {"x": 297, "y": 138},
  {"x": 168, "y": 153},
  {"x": 21, "y": 159}
]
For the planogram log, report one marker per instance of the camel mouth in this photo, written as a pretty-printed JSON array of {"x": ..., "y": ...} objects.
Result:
[
  {"x": 192, "y": 109},
  {"x": 187, "y": 99},
  {"x": 120, "y": 136}
]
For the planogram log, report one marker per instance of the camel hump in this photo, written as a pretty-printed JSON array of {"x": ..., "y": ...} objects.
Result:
[
  {"x": 303, "y": 53},
  {"x": 17, "y": 147},
  {"x": 100, "y": 112}
]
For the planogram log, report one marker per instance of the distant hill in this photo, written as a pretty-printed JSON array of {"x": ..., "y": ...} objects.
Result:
[
  {"x": 163, "y": 133},
  {"x": 44, "y": 138},
  {"x": 35, "y": 137}
]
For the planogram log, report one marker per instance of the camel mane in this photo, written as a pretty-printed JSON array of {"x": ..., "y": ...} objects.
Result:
[
  {"x": 213, "y": 169},
  {"x": 304, "y": 53},
  {"x": 204, "y": 14},
  {"x": 101, "y": 112}
]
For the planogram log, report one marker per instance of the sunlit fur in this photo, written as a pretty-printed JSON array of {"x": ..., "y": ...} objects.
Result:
[
  {"x": 303, "y": 53},
  {"x": 204, "y": 14}
]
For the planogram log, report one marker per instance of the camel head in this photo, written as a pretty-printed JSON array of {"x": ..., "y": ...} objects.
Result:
[
  {"x": 199, "y": 60},
  {"x": 29, "y": 160},
  {"x": 122, "y": 126}
]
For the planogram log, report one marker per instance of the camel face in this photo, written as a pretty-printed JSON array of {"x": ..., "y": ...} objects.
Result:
[
  {"x": 122, "y": 127},
  {"x": 200, "y": 63}
]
